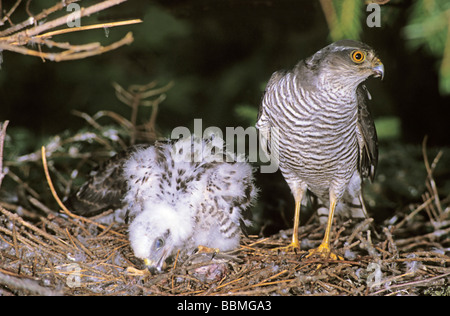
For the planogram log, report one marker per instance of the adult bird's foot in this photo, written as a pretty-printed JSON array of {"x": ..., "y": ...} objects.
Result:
[
  {"x": 324, "y": 252},
  {"x": 292, "y": 247}
]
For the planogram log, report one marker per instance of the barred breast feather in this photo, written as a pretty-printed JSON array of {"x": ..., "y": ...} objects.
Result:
[{"x": 317, "y": 139}]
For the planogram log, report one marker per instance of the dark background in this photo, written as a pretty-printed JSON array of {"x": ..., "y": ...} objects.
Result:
[{"x": 220, "y": 54}]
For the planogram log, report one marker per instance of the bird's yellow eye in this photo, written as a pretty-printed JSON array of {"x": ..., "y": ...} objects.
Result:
[{"x": 358, "y": 56}]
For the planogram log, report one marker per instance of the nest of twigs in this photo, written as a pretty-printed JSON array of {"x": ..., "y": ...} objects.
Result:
[{"x": 61, "y": 254}]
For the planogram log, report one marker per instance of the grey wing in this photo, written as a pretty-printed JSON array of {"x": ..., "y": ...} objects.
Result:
[
  {"x": 104, "y": 189},
  {"x": 367, "y": 135},
  {"x": 263, "y": 123}
]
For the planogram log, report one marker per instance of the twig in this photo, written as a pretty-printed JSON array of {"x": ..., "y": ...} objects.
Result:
[
  {"x": 433, "y": 235},
  {"x": 360, "y": 227},
  {"x": 412, "y": 214},
  {"x": 16, "y": 40},
  {"x": 21, "y": 221},
  {"x": 135, "y": 97},
  {"x": 10, "y": 12},
  {"x": 413, "y": 283},
  {"x": 69, "y": 54},
  {"x": 60, "y": 203},
  {"x": 89, "y": 27},
  {"x": 34, "y": 243},
  {"x": 46, "y": 12},
  {"x": 430, "y": 170},
  {"x": 24, "y": 36},
  {"x": 3, "y": 127},
  {"x": 391, "y": 244},
  {"x": 265, "y": 281},
  {"x": 28, "y": 285}
]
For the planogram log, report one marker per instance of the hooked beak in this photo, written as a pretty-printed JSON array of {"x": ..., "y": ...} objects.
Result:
[
  {"x": 378, "y": 68},
  {"x": 152, "y": 266},
  {"x": 156, "y": 267}
]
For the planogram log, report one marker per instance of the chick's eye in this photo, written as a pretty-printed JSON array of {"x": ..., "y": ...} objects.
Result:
[
  {"x": 358, "y": 56},
  {"x": 159, "y": 243}
]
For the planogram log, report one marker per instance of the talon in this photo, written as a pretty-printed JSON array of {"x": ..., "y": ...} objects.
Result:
[
  {"x": 324, "y": 252},
  {"x": 292, "y": 247}
]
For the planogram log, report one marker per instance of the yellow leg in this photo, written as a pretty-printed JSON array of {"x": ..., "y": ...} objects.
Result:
[
  {"x": 324, "y": 250},
  {"x": 295, "y": 244}
]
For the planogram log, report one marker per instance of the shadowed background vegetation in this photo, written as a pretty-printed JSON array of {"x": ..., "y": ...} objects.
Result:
[{"x": 219, "y": 56}]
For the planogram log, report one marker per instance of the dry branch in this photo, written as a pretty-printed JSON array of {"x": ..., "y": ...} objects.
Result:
[
  {"x": 25, "y": 284},
  {"x": 15, "y": 38},
  {"x": 44, "y": 14},
  {"x": 430, "y": 169},
  {"x": 58, "y": 200},
  {"x": 3, "y": 127}
]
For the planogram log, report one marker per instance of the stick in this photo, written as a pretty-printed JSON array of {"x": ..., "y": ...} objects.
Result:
[
  {"x": 24, "y": 284},
  {"x": 37, "y": 17},
  {"x": 430, "y": 170},
  {"x": 19, "y": 37},
  {"x": 2, "y": 140},
  {"x": 89, "y": 27},
  {"x": 412, "y": 214},
  {"x": 10, "y": 12},
  {"x": 69, "y": 54},
  {"x": 60, "y": 203},
  {"x": 16, "y": 218}
]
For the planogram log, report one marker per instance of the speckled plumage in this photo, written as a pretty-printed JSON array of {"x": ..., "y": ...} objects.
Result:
[{"x": 180, "y": 195}]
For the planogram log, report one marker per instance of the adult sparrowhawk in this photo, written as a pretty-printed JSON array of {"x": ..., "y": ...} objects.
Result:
[{"x": 314, "y": 121}]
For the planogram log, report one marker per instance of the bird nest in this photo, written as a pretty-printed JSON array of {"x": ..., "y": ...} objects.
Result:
[{"x": 62, "y": 254}]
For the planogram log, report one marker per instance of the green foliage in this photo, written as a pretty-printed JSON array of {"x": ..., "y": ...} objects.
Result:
[
  {"x": 388, "y": 128},
  {"x": 428, "y": 27},
  {"x": 19, "y": 140},
  {"x": 247, "y": 113},
  {"x": 347, "y": 19},
  {"x": 160, "y": 29}
]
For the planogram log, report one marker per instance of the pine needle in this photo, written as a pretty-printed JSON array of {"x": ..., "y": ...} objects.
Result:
[{"x": 61, "y": 204}]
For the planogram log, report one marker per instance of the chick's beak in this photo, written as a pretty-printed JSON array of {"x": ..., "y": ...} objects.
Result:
[
  {"x": 158, "y": 265},
  {"x": 149, "y": 263},
  {"x": 152, "y": 266},
  {"x": 378, "y": 68}
]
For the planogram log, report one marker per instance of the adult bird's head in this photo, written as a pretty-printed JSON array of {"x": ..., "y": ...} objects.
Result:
[
  {"x": 345, "y": 64},
  {"x": 157, "y": 233}
]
